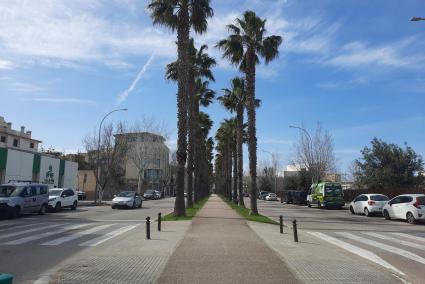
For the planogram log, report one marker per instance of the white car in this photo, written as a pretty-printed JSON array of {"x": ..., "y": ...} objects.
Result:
[
  {"x": 62, "y": 197},
  {"x": 368, "y": 204},
  {"x": 271, "y": 197},
  {"x": 128, "y": 199},
  {"x": 410, "y": 207}
]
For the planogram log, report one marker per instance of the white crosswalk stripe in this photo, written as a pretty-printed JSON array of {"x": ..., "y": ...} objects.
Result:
[
  {"x": 409, "y": 237},
  {"x": 76, "y": 235},
  {"x": 391, "y": 249},
  {"x": 108, "y": 236},
  {"x": 18, "y": 227},
  {"x": 356, "y": 250},
  {"x": 41, "y": 228},
  {"x": 394, "y": 240},
  {"x": 44, "y": 235}
]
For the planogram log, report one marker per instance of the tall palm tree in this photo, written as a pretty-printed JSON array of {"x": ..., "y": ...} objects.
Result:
[
  {"x": 181, "y": 16},
  {"x": 244, "y": 47}
]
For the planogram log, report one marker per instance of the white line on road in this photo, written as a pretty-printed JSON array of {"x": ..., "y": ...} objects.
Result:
[
  {"x": 409, "y": 237},
  {"x": 356, "y": 250},
  {"x": 44, "y": 235},
  {"x": 392, "y": 249},
  {"x": 76, "y": 235},
  {"x": 30, "y": 231},
  {"x": 108, "y": 236},
  {"x": 19, "y": 226},
  {"x": 398, "y": 241}
]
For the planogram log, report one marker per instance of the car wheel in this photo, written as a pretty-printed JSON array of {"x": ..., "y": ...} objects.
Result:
[
  {"x": 410, "y": 218},
  {"x": 134, "y": 204},
  {"x": 74, "y": 206},
  {"x": 387, "y": 215},
  {"x": 366, "y": 212},
  {"x": 58, "y": 207},
  {"x": 113, "y": 207},
  {"x": 42, "y": 210},
  {"x": 308, "y": 205},
  {"x": 319, "y": 205},
  {"x": 140, "y": 205},
  {"x": 16, "y": 212},
  {"x": 352, "y": 210}
]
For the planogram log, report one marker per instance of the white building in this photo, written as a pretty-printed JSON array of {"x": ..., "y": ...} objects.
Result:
[{"x": 16, "y": 139}]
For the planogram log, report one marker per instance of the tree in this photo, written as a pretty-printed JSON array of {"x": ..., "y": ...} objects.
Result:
[
  {"x": 112, "y": 155},
  {"x": 386, "y": 166},
  {"x": 315, "y": 154},
  {"x": 244, "y": 47},
  {"x": 182, "y": 15}
]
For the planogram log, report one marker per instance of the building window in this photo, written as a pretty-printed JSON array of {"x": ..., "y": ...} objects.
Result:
[
  {"x": 3, "y": 139},
  {"x": 15, "y": 142},
  {"x": 32, "y": 145}
]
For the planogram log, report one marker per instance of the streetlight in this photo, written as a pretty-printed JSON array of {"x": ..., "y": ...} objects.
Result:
[
  {"x": 309, "y": 138},
  {"x": 275, "y": 170},
  {"x": 98, "y": 151},
  {"x": 417, "y": 19}
]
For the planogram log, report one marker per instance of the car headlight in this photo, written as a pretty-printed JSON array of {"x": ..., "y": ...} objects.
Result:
[{"x": 52, "y": 199}]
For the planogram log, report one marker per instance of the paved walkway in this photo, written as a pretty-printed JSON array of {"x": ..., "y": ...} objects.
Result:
[{"x": 221, "y": 248}]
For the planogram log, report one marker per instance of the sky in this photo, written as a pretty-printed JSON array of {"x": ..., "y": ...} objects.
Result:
[{"x": 356, "y": 67}]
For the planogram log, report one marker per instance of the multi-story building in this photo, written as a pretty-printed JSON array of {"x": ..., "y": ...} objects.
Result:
[
  {"x": 147, "y": 160},
  {"x": 16, "y": 139}
]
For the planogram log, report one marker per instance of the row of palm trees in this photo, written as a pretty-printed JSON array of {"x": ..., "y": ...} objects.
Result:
[{"x": 244, "y": 47}]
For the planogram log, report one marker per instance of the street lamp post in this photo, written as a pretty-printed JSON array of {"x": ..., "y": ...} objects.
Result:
[
  {"x": 309, "y": 139},
  {"x": 275, "y": 171},
  {"x": 98, "y": 151}
]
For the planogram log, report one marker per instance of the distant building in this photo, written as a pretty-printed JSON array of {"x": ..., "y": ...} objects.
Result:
[
  {"x": 16, "y": 139},
  {"x": 333, "y": 177}
]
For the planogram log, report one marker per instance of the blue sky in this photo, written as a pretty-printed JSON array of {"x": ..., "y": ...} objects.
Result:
[{"x": 355, "y": 66}]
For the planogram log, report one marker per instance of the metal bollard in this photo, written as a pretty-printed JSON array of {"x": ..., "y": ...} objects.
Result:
[
  {"x": 148, "y": 228},
  {"x": 159, "y": 221},
  {"x": 294, "y": 227},
  {"x": 281, "y": 223}
]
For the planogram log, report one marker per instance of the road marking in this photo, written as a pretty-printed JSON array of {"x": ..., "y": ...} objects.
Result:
[
  {"x": 44, "y": 235},
  {"x": 401, "y": 242},
  {"x": 19, "y": 226},
  {"x": 409, "y": 237},
  {"x": 392, "y": 249},
  {"x": 108, "y": 236},
  {"x": 76, "y": 235},
  {"x": 356, "y": 250},
  {"x": 29, "y": 231}
]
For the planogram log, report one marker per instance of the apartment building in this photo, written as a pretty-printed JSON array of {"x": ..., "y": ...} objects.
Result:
[{"x": 16, "y": 139}]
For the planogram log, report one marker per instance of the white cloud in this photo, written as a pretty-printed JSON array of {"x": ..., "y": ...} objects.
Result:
[
  {"x": 6, "y": 64},
  {"x": 62, "y": 100},
  {"x": 275, "y": 141},
  {"x": 123, "y": 96}
]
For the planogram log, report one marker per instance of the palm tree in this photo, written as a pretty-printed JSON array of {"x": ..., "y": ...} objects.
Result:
[
  {"x": 244, "y": 47},
  {"x": 181, "y": 15}
]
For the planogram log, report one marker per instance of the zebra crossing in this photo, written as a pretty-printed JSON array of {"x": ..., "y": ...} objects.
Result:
[
  {"x": 383, "y": 248},
  {"x": 55, "y": 234}
]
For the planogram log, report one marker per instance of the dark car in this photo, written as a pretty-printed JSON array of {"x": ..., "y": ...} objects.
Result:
[
  {"x": 81, "y": 195},
  {"x": 262, "y": 195}
]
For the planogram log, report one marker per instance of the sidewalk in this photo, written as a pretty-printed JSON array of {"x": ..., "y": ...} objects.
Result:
[{"x": 221, "y": 248}]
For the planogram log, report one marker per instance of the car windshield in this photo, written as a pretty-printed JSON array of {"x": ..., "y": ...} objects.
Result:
[
  {"x": 149, "y": 192},
  {"x": 55, "y": 192},
  {"x": 126, "y": 194},
  {"x": 379, "y": 198},
  {"x": 10, "y": 190},
  {"x": 333, "y": 189},
  {"x": 421, "y": 200}
]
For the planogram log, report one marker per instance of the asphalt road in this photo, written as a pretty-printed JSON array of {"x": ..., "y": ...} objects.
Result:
[
  {"x": 32, "y": 244},
  {"x": 400, "y": 244}
]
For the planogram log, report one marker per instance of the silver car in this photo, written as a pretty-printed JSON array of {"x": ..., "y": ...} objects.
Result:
[
  {"x": 18, "y": 198},
  {"x": 128, "y": 199}
]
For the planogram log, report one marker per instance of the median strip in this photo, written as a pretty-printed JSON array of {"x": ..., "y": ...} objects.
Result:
[{"x": 190, "y": 212}]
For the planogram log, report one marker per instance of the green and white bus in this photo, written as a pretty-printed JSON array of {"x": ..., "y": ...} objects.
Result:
[{"x": 326, "y": 195}]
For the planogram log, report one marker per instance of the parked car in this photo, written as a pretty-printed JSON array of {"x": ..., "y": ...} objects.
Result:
[
  {"x": 81, "y": 195},
  {"x": 159, "y": 194},
  {"x": 62, "y": 198},
  {"x": 262, "y": 195},
  {"x": 368, "y": 204},
  {"x": 271, "y": 197},
  {"x": 149, "y": 194},
  {"x": 409, "y": 207},
  {"x": 129, "y": 199},
  {"x": 326, "y": 195},
  {"x": 17, "y": 198}
]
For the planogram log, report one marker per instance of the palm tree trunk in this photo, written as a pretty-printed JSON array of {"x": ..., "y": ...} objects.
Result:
[
  {"x": 239, "y": 152},
  {"x": 183, "y": 90},
  {"x": 191, "y": 139},
  {"x": 252, "y": 138},
  {"x": 235, "y": 173},
  {"x": 197, "y": 154},
  {"x": 229, "y": 171}
]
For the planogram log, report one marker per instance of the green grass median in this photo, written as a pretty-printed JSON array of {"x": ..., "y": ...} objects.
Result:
[
  {"x": 190, "y": 212},
  {"x": 244, "y": 212}
]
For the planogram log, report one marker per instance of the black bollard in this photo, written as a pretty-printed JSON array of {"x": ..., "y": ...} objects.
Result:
[
  {"x": 148, "y": 228},
  {"x": 281, "y": 223},
  {"x": 159, "y": 221},
  {"x": 294, "y": 227}
]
